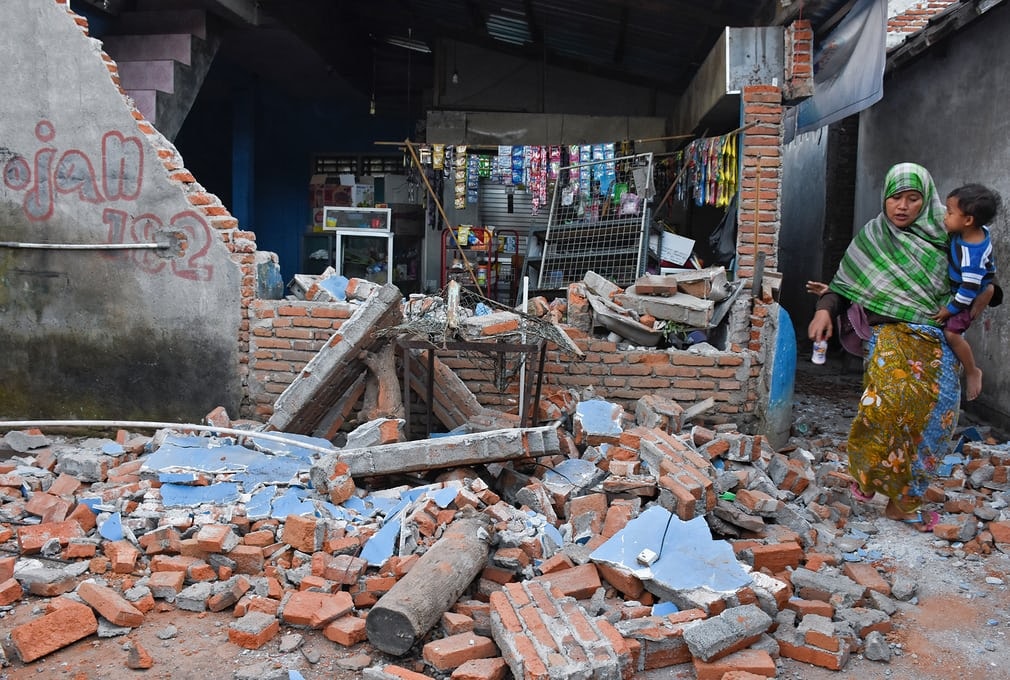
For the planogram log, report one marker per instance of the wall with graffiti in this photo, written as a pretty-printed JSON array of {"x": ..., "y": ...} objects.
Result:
[{"x": 121, "y": 291}]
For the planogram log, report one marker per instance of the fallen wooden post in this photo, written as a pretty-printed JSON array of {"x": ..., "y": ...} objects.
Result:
[{"x": 417, "y": 601}]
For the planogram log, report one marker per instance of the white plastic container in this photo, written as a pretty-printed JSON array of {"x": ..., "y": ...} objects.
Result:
[{"x": 820, "y": 352}]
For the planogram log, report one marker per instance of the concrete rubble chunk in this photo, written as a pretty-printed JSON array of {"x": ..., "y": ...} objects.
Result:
[
  {"x": 827, "y": 585},
  {"x": 732, "y": 630},
  {"x": 681, "y": 308},
  {"x": 23, "y": 442},
  {"x": 427, "y": 454}
]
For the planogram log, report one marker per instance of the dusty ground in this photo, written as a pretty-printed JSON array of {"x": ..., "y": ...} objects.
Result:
[{"x": 957, "y": 628}]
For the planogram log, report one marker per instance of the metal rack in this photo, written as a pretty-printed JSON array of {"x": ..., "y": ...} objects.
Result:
[{"x": 596, "y": 227}]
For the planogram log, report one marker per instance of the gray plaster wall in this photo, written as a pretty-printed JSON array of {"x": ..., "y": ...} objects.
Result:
[
  {"x": 92, "y": 334},
  {"x": 948, "y": 111}
]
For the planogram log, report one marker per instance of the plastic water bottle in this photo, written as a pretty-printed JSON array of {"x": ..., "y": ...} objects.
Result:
[{"x": 820, "y": 353}]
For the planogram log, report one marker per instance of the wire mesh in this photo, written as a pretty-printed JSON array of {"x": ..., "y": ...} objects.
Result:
[{"x": 598, "y": 222}]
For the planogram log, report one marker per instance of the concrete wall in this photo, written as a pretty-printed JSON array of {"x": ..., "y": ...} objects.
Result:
[
  {"x": 115, "y": 334},
  {"x": 946, "y": 110}
]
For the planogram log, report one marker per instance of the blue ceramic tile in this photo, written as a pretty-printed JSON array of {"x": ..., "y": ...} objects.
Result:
[
  {"x": 180, "y": 495},
  {"x": 688, "y": 556},
  {"x": 112, "y": 528}
]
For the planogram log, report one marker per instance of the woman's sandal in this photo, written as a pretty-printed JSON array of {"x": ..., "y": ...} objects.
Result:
[
  {"x": 924, "y": 522},
  {"x": 858, "y": 494}
]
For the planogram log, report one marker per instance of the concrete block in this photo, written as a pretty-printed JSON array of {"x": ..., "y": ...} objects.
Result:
[{"x": 730, "y": 631}]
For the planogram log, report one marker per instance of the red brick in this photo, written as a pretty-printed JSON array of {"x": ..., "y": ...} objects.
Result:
[
  {"x": 300, "y": 533},
  {"x": 867, "y": 575},
  {"x": 627, "y": 583},
  {"x": 481, "y": 669},
  {"x": 110, "y": 604},
  {"x": 248, "y": 559},
  {"x": 755, "y": 661},
  {"x": 122, "y": 555},
  {"x": 230, "y": 596},
  {"x": 450, "y": 652},
  {"x": 812, "y": 655},
  {"x": 7, "y": 567},
  {"x": 201, "y": 571},
  {"x": 344, "y": 569},
  {"x": 315, "y": 609},
  {"x": 63, "y": 626},
  {"x": 162, "y": 540},
  {"x": 80, "y": 550},
  {"x": 51, "y": 508},
  {"x": 84, "y": 517},
  {"x": 10, "y": 591},
  {"x": 557, "y": 562},
  {"x": 454, "y": 623},
  {"x": 31, "y": 538},
  {"x": 253, "y": 630},
  {"x": 777, "y": 556},
  {"x": 64, "y": 485},
  {"x": 401, "y": 672},
  {"x": 258, "y": 538},
  {"x": 594, "y": 504},
  {"x": 346, "y": 631},
  {"x": 138, "y": 658},
  {"x": 334, "y": 606},
  {"x": 579, "y": 582},
  {"x": 803, "y": 607},
  {"x": 617, "y": 518}
]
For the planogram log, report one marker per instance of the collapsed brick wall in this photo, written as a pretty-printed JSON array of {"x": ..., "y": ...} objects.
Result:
[{"x": 286, "y": 334}]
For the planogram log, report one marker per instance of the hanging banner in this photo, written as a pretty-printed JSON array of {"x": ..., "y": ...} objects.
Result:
[{"x": 848, "y": 68}]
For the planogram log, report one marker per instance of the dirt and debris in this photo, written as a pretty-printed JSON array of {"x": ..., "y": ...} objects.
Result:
[{"x": 603, "y": 544}]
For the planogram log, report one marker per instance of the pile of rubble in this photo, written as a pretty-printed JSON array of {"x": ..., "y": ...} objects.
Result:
[
  {"x": 602, "y": 544},
  {"x": 680, "y": 308}
]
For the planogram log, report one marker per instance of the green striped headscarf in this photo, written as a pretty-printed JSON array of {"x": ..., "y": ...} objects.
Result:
[{"x": 900, "y": 273}]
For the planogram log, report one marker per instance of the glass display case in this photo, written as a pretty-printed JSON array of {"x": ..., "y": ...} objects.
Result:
[
  {"x": 363, "y": 242},
  {"x": 339, "y": 217}
]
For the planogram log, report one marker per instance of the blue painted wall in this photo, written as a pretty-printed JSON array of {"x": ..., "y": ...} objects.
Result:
[{"x": 219, "y": 141}]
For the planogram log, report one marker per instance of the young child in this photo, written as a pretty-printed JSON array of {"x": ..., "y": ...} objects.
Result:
[{"x": 970, "y": 209}]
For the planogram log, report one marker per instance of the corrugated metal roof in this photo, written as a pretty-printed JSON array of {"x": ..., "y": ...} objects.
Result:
[{"x": 652, "y": 43}]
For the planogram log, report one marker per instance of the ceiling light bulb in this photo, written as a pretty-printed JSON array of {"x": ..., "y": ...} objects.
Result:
[
  {"x": 455, "y": 77},
  {"x": 371, "y": 106}
]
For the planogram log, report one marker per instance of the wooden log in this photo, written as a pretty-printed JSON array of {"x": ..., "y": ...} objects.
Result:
[
  {"x": 388, "y": 400},
  {"x": 417, "y": 601}
]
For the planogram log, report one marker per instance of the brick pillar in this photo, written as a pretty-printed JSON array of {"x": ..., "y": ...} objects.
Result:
[
  {"x": 761, "y": 180},
  {"x": 799, "y": 61}
]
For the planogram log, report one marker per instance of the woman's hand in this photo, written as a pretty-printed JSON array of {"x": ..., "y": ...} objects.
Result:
[
  {"x": 817, "y": 287},
  {"x": 820, "y": 326}
]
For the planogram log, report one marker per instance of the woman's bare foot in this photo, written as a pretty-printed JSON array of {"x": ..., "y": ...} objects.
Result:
[{"x": 973, "y": 384}]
